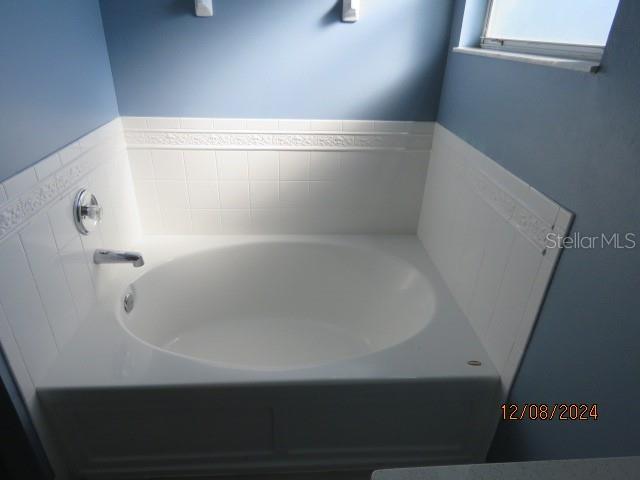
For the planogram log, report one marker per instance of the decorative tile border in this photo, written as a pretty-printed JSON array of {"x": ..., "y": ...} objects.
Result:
[
  {"x": 15, "y": 213},
  {"x": 496, "y": 198},
  {"x": 229, "y": 134},
  {"x": 279, "y": 141},
  {"x": 524, "y": 220}
]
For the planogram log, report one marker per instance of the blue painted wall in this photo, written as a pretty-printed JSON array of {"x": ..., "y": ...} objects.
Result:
[
  {"x": 575, "y": 137},
  {"x": 278, "y": 58},
  {"x": 55, "y": 80}
]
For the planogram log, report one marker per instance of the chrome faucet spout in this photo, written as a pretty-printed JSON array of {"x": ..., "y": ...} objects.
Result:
[{"x": 116, "y": 256}]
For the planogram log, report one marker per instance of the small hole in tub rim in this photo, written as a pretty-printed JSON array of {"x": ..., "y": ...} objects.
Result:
[{"x": 474, "y": 363}]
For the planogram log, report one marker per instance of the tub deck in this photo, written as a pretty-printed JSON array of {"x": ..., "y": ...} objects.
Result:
[{"x": 124, "y": 408}]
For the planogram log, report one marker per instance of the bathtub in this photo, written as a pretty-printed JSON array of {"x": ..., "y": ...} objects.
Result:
[{"x": 282, "y": 353}]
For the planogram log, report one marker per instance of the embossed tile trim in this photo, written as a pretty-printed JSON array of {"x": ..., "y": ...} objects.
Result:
[
  {"x": 15, "y": 213},
  {"x": 247, "y": 134},
  {"x": 276, "y": 141},
  {"x": 524, "y": 220}
]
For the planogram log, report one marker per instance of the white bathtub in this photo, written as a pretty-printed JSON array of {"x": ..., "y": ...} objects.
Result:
[{"x": 268, "y": 354}]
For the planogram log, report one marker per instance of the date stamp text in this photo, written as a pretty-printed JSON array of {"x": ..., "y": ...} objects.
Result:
[{"x": 581, "y": 412}]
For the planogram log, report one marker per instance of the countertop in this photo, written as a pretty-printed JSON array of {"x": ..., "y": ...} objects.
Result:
[{"x": 623, "y": 468}]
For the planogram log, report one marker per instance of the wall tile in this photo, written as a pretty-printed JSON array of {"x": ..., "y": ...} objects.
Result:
[
  {"x": 206, "y": 222},
  {"x": 162, "y": 123},
  {"x": 496, "y": 254},
  {"x": 325, "y": 194},
  {"x": 134, "y": 122},
  {"x": 42, "y": 257},
  {"x": 294, "y": 125},
  {"x": 16, "y": 362},
  {"x": 386, "y": 126},
  {"x": 268, "y": 221},
  {"x": 326, "y": 125},
  {"x": 232, "y": 165},
  {"x": 534, "y": 303},
  {"x": 203, "y": 195},
  {"x": 236, "y": 221},
  {"x": 78, "y": 276},
  {"x": 480, "y": 225},
  {"x": 46, "y": 167},
  {"x": 151, "y": 221},
  {"x": 234, "y": 195},
  {"x": 61, "y": 218},
  {"x": 172, "y": 194},
  {"x": 294, "y": 194},
  {"x": 261, "y": 125},
  {"x": 520, "y": 273},
  {"x": 21, "y": 302},
  {"x": 357, "y": 125},
  {"x": 196, "y": 123},
  {"x": 423, "y": 128},
  {"x": 141, "y": 164},
  {"x": 373, "y": 189},
  {"x": 146, "y": 194},
  {"x": 229, "y": 124},
  {"x": 359, "y": 167},
  {"x": 39, "y": 244},
  {"x": 324, "y": 166},
  {"x": 168, "y": 164},
  {"x": 264, "y": 194},
  {"x": 71, "y": 152},
  {"x": 294, "y": 165},
  {"x": 541, "y": 206},
  {"x": 58, "y": 302},
  {"x": 263, "y": 165},
  {"x": 200, "y": 165},
  {"x": 20, "y": 183},
  {"x": 177, "y": 221}
]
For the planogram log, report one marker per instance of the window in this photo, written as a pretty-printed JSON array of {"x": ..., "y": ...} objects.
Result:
[{"x": 575, "y": 29}]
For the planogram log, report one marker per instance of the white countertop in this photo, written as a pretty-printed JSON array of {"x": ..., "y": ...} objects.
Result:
[{"x": 626, "y": 468}]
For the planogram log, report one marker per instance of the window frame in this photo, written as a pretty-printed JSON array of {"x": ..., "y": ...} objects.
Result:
[{"x": 591, "y": 53}]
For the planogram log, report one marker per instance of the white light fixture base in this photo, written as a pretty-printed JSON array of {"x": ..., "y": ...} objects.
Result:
[
  {"x": 350, "y": 10},
  {"x": 204, "y": 8}
]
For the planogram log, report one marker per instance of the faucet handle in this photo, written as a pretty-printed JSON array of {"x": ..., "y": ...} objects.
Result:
[
  {"x": 87, "y": 212},
  {"x": 94, "y": 212}
]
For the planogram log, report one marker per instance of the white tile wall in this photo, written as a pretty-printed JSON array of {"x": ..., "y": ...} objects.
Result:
[
  {"x": 263, "y": 165},
  {"x": 49, "y": 165},
  {"x": 196, "y": 123},
  {"x": 20, "y": 183},
  {"x": 23, "y": 307},
  {"x": 48, "y": 280},
  {"x": 16, "y": 362},
  {"x": 485, "y": 229},
  {"x": 200, "y": 165},
  {"x": 327, "y": 176},
  {"x": 232, "y": 165}
]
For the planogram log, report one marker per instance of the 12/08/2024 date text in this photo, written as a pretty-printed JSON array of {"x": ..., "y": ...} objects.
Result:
[{"x": 550, "y": 411}]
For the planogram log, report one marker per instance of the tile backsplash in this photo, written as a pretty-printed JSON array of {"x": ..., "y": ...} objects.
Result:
[
  {"x": 212, "y": 176},
  {"x": 48, "y": 281},
  {"x": 486, "y": 231}
]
